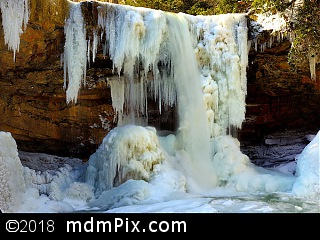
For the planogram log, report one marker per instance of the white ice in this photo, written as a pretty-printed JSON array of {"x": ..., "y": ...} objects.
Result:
[{"x": 75, "y": 54}]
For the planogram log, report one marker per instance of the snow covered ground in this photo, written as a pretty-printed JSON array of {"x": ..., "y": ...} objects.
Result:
[{"x": 62, "y": 186}]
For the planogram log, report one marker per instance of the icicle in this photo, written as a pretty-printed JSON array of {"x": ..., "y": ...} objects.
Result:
[
  {"x": 256, "y": 44},
  {"x": 243, "y": 51},
  {"x": 270, "y": 42},
  {"x": 95, "y": 45},
  {"x": 75, "y": 53},
  {"x": 88, "y": 51},
  {"x": 15, "y": 13},
  {"x": 117, "y": 95}
]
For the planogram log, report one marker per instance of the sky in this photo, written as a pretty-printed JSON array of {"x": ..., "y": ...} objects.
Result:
[{"x": 199, "y": 64}]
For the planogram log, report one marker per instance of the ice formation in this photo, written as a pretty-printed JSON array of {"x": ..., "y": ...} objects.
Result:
[
  {"x": 20, "y": 183},
  {"x": 127, "y": 152},
  {"x": 308, "y": 171},
  {"x": 15, "y": 16},
  {"x": 12, "y": 184},
  {"x": 153, "y": 53},
  {"x": 75, "y": 58},
  {"x": 197, "y": 63},
  {"x": 313, "y": 61}
]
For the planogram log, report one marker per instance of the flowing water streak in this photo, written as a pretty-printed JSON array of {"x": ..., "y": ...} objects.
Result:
[{"x": 193, "y": 133}]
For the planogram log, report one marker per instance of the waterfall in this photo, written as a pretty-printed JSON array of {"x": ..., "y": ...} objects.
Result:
[{"x": 197, "y": 63}]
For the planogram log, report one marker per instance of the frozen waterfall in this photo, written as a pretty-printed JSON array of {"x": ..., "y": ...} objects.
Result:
[{"x": 197, "y": 63}]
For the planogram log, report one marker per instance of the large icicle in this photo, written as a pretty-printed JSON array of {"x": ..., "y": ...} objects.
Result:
[
  {"x": 75, "y": 53},
  {"x": 15, "y": 16},
  {"x": 117, "y": 95}
]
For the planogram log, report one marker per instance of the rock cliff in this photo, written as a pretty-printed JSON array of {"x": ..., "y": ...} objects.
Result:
[{"x": 281, "y": 110}]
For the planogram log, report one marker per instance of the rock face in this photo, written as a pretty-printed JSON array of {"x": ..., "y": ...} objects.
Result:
[
  {"x": 281, "y": 105},
  {"x": 33, "y": 102}
]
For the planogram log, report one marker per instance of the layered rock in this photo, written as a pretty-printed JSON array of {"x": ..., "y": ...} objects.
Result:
[{"x": 282, "y": 105}]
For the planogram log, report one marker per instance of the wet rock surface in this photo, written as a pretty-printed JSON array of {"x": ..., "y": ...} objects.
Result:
[{"x": 279, "y": 147}]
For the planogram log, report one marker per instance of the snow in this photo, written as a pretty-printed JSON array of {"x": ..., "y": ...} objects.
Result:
[
  {"x": 195, "y": 62},
  {"x": 242, "y": 187},
  {"x": 307, "y": 171}
]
